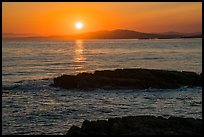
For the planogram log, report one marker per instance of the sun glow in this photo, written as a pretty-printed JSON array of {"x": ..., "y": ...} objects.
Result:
[{"x": 79, "y": 25}]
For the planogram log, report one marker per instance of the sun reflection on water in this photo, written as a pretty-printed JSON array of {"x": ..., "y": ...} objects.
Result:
[{"x": 79, "y": 58}]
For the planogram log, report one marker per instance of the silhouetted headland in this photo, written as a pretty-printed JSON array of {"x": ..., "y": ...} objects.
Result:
[
  {"x": 113, "y": 34},
  {"x": 139, "y": 125},
  {"x": 129, "y": 78}
]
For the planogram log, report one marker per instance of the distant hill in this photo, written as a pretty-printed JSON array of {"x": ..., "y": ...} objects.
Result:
[
  {"x": 173, "y": 33},
  {"x": 122, "y": 34},
  {"x": 117, "y": 34}
]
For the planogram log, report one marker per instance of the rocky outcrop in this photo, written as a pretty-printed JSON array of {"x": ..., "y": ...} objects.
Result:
[
  {"x": 139, "y": 125},
  {"x": 129, "y": 78}
]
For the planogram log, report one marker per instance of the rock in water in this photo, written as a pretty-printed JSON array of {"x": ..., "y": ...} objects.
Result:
[
  {"x": 129, "y": 78},
  {"x": 139, "y": 125}
]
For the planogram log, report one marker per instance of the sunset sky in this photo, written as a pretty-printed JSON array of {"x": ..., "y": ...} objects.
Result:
[{"x": 53, "y": 18}]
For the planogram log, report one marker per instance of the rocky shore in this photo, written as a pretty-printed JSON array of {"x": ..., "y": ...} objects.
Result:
[
  {"x": 139, "y": 125},
  {"x": 129, "y": 78}
]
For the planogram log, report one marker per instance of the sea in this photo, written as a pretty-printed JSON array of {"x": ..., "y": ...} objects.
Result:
[{"x": 31, "y": 107}]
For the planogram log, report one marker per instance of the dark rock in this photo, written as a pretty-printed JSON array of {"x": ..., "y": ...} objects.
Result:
[
  {"x": 129, "y": 78},
  {"x": 66, "y": 81},
  {"x": 140, "y": 125},
  {"x": 74, "y": 130}
]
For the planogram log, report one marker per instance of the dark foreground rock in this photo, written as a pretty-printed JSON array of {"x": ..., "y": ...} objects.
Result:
[
  {"x": 139, "y": 125},
  {"x": 129, "y": 78}
]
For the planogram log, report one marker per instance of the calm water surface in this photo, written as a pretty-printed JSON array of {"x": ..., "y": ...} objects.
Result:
[{"x": 30, "y": 106}]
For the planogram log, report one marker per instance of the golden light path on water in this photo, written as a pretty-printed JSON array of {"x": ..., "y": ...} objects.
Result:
[{"x": 78, "y": 57}]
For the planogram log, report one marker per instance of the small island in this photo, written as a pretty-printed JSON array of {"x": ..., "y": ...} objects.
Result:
[{"x": 129, "y": 78}]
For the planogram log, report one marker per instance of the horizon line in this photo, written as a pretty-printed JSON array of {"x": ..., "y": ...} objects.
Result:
[{"x": 19, "y": 35}]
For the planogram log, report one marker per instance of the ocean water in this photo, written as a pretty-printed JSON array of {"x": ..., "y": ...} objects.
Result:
[{"x": 31, "y": 106}]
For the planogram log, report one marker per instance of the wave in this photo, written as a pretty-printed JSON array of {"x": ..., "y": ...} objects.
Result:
[
  {"x": 146, "y": 58},
  {"x": 9, "y": 87},
  {"x": 152, "y": 58},
  {"x": 25, "y": 85}
]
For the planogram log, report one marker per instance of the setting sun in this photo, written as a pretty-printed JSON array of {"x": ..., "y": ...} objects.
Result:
[
  {"x": 86, "y": 68},
  {"x": 79, "y": 25}
]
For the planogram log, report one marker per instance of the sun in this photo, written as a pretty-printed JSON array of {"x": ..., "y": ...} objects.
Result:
[{"x": 79, "y": 25}]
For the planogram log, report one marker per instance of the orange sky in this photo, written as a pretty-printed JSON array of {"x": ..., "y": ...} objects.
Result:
[{"x": 58, "y": 18}]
